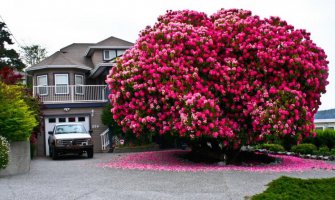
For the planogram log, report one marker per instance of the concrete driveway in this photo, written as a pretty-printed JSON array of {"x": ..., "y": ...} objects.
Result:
[{"x": 80, "y": 178}]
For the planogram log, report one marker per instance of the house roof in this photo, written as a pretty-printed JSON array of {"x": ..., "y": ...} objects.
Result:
[
  {"x": 101, "y": 67},
  {"x": 113, "y": 41},
  {"x": 109, "y": 43},
  {"x": 69, "y": 56},
  {"x": 325, "y": 114},
  {"x": 76, "y": 55}
]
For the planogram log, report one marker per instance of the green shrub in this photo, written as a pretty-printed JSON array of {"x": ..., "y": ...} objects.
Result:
[
  {"x": 17, "y": 120},
  {"x": 332, "y": 152},
  {"x": 304, "y": 148},
  {"x": 288, "y": 141},
  {"x": 271, "y": 147},
  {"x": 294, "y": 188},
  {"x": 322, "y": 138},
  {"x": 324, "y": 150},
  {"x": 4, "y": 152},
  {"x": 327, "y": 138}
]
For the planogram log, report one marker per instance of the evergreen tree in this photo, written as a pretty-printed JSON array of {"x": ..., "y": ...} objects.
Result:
[{"x": 8, "y": 57}]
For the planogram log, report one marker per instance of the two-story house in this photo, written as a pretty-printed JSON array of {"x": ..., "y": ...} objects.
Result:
[{"x": 71, "y": 86}]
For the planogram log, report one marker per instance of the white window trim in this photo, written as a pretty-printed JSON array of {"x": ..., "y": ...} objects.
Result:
[
  {"x": 67, "y": 84},
  {"x": 109, "y": 58},
  {"x": 39, "y": 86},
  {"x": 118, "y": 51},
  {"x": 79, "y": 85}
]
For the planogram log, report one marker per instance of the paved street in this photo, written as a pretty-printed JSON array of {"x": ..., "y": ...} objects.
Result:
[{"x": 80, "y": 178}]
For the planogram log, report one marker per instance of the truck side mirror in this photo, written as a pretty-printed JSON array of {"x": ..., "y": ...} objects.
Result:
[
  {"x": 50, "y": 132},
  {"x": 90, "y": 132}
]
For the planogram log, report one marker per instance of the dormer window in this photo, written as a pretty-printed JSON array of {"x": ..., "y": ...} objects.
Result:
[
  {"x": 120, "y": 52},
  {"x": 111, "y": 54}
]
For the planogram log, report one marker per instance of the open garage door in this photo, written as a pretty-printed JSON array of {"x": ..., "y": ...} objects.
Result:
[{"x": 51, "y": 121}]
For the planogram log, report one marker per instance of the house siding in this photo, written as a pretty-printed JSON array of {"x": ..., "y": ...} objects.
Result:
[
  {"x": 97, "y": 57},
  {"x": 52, "y": 72}
]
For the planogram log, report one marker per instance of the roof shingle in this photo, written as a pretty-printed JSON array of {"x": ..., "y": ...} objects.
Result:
[
  {"x": 74, "y": 54},
  {"x": 325, "y": 114}
]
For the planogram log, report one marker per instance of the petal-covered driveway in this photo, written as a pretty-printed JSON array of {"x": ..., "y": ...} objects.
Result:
[
  {"x": 174, "y": 160},
  {"x": 81, "y": 178}
]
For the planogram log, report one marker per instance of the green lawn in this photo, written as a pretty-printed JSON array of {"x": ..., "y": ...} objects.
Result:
[{"x": 295, "y": 188}]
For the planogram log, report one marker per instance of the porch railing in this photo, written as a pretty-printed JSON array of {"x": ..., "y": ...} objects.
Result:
[
  {"x": 104, "y": 140},
  {"x": 70, "y": 93}
]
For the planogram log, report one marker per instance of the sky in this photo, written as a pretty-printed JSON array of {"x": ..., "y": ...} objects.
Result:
[{"x": 56, "y": 24}]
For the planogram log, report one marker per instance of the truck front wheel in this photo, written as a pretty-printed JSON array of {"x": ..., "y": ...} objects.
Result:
[
  {"x": 90, "y": 153},
  {"x": 54, "y": 154}
]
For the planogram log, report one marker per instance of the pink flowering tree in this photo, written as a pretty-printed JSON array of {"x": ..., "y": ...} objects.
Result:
[{"x": 231, "y": 79}]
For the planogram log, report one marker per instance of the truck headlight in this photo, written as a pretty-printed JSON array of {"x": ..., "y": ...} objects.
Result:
[
  {"x": 58, "y": 142},
  {"x": 89, "y": 141}
]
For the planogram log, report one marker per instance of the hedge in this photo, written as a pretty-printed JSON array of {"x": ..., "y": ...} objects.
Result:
[
  {"x": 304, "y": 148},
  {"x": 323, "y": 138}
]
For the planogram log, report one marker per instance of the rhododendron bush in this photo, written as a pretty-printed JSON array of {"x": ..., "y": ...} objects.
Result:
[{"x": 233, "y": 78}]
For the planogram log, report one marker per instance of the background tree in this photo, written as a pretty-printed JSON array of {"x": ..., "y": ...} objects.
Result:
[
  {"x": 8, "y": 57},
  {"x": 228, "y": 80},
  {"x": 8, "y": 76},
  {"x": 33, "y": 54}
]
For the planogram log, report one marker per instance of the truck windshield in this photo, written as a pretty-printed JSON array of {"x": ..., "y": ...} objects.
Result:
[{"x": 70, "y": 128}]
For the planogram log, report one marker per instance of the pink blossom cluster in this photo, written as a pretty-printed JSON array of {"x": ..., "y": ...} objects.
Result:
[
  {"x": 231, "y": 76},
  {"x": 171, "y": 160}
]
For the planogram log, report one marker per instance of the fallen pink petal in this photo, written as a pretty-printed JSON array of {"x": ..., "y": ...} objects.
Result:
[{"x": 171, "y": 160}]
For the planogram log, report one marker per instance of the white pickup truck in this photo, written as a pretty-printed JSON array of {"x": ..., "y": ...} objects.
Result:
[{"x": 70, "y": 138}]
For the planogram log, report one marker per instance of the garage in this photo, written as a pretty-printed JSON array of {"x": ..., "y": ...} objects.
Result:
[{"x": 50, "y": 122}]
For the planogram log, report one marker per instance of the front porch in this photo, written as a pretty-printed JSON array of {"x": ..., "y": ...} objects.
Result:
[{"x": 71, "y": 94}]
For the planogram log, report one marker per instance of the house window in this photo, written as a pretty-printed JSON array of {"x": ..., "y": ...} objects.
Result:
[
  {"x": 61, "y": 84},
  {"x": 330, "y": 128},
  {"x": 42, "y": 85},
  {"x": 72, "y": 119},
  {"x": 79, "y": 82},
  {"x": 60, "y": 120},
  {"x": 109, "y": 54},
  {"x": 120, "y": 52},
  {"x": 81, "y": 119},
  {"x": 319, "y": 128},
  {"x": 52, "y": 120}
]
